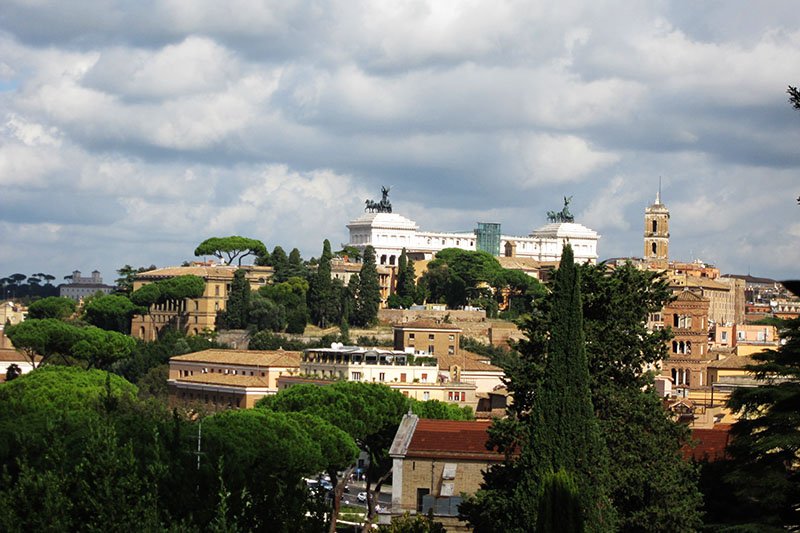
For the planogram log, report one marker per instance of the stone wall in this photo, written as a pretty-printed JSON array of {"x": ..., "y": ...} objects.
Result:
[{"x": 398, "y": 316}]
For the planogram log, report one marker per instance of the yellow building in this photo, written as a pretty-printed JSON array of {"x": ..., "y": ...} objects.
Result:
[
  {"x": 197, "y": 314},
  {"x": 224, "y": 379}
]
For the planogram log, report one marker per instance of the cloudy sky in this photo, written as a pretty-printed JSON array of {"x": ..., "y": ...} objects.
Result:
[{"x": 132, "y": 130}]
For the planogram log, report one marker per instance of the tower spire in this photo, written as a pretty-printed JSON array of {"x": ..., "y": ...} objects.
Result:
[{"x": 658, "y": 194}]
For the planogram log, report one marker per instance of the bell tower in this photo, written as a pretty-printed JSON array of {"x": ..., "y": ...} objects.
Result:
[{"x": 656, "y": 233}]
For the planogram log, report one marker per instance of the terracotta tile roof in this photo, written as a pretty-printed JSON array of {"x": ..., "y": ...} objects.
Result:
[
  {"x": 229, "y": 380},
  {"x": 733, "y": 362},
  {"x": 427, "y": 324},
  {"x": 709, "y": 444},
  {"x": 272, "y": 358},
  {"x": 11, "y": 356},
  {"x": 468, "y": 361},
  {"x": 217, "y": 271},
  {"x": 450, "y": 439},
  {"x": 519, "y": 263}
]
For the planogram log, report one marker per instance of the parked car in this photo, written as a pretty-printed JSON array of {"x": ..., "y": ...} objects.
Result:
[{"x": 362, "y": 497}]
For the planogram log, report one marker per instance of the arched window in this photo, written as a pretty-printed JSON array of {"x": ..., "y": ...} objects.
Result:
[
  {"x": 655, "y": 226},
  {"x": 653, "y": 246}
]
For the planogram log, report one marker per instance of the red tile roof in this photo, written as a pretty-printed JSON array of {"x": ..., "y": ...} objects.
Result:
[
  {"x": 450, "y": 439},
  {"x": 709, "y": 444}
]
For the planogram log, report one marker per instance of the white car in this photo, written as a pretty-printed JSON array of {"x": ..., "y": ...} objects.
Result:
[{"x": 362, "y": 497}]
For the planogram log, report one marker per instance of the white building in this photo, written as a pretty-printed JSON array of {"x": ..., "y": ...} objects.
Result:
[
  {"x": 81, "y": 287},
  {"x": 389, "y": 233}
]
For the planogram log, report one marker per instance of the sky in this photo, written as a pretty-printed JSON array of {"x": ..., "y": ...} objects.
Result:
[{"x": 130, "y": 131}]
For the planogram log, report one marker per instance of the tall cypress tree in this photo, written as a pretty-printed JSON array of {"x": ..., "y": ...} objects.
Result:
[
  {"x": 280, "y": 264},
  {"x": 563, "y": 430},
  {"x": 320, "y": 292},
  {"x": 369, "y": 291},
  {"x": 237, "y": 309},
  {"x": 406, "y": 289}
]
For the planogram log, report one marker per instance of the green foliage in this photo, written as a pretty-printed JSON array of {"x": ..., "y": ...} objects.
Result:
[
  {"x": 101, "y": 348},
  {"x": 46, "y": 337},
  {"x": 146, "y": 295},
  {"x": 406, "y": 289},
  {"x": 766, "y": 438},
  {"x": 368, "y": 299},
  {"x": 461, "y": 277},
  {"x": 563, "y": 431},
  {"x": 52, "y": 307},
  {"x": 322, "y": 299},
  {"x": 236, "y": 314},
  {"x": 559, "y": 505},
  {"x": 111, "y": 312},
  {"x": 266, "y": 454},
  {"x": 229, "y": 248},
  {"x": 287, "y": 311},
  {"x": 368, "y": 413},
  {"x": 435, "y": 409},
  {"x": 148, "y": 355},
  {"x": 653, "y": 488},
  {"x": 127, "y": 275},
  {"x": 418, "y": 523}
]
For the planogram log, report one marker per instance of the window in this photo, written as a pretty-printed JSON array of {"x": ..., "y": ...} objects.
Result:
[
  {"x": 741, "y": 335},
  {"x": 654, "y": 248},
  {"x": 216, "y": 290},
  {"x": 463, "y": 396},
  {"x": 382, "y": 376},
  {"x": 426, "y": 396},
  {"x": 450, "y": 395},
  {"x": 424, "y": 378},
  {"x": 655, "y": 226},
  {"x": 402, "y": 378},
  {"x": 724, "y": 336},
  {"x": 430, "y": 348},
  {"x": 451, "y": 350},
  {"x": 430, "y": 337},
  {"x": 411, "y": 336},
  {"x": 451, "y": 338},
  {"x": 356, "y": 376}
]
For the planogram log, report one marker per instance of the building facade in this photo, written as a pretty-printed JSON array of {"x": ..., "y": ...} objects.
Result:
[
  {"x": 81, "y": 287},
  {"x": 194, "y": 315},
  {"x": 436, "y": 463},
  {"x": 656, "y": 233},
  {"x": 390, "y": 233},
  {"x": 226, "y": 379}
]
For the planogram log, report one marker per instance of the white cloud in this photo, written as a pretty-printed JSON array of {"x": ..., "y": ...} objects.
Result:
[{"x": 556, "y": 159}]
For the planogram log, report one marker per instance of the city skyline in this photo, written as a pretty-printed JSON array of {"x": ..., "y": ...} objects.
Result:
[{"x": 130, "y": 133}]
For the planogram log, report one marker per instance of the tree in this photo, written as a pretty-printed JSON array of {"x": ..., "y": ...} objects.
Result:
[
  {"x": 52, "y": 307},
  {"x": 100, "y": 348},
  {"x": 112, "y": 312},
  {"x": 280, "y": 264},
  {"x": 559, "y": 505},
  {"x": 794, "y": 96},
  {"x": 406, "y": 289},
  {"x": 296, "y": 268},
  {"x": 236, "y": 314},
  {"x": 563, "y": 430},
  {"x": 266, "y": 314},
  {"x": 45, "y": 337},
  {"x": 266, "y": 455},
  {"x": 127, "y": 274},
  {"x": 229, "y": 248},
  {"x": 369, "y": 291},
  {"x": 368, "y": 412},
  {"x": 553, "y": 429},
  {"x": 321, "y": 298},
  {"x": 653, "y": 487},
  {"x": 173, "y": 291},
  {"x": 766, "y": 437},
  {"x": 435, "y": 409}
]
